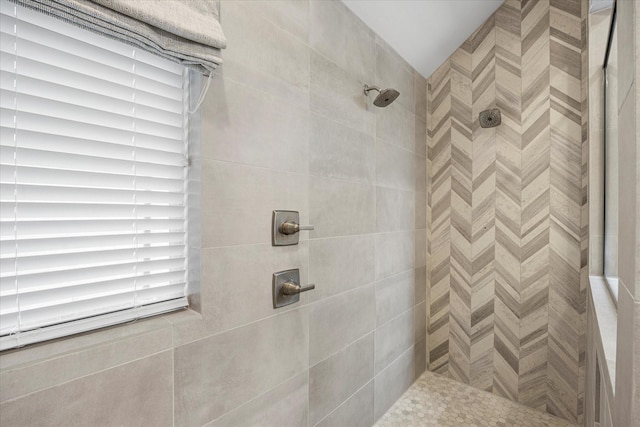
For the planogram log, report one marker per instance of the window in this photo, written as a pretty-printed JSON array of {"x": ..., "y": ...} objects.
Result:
[
  {"x": 611, "y": 189},
  {"x": 93, "y": 180}
]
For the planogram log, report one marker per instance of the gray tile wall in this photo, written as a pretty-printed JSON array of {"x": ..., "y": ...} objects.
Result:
[{"x": 285, "y": 126}]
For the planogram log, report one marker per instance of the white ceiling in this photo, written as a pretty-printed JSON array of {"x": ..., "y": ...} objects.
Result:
[
  {"x": 424, "y": 32},
  {"x": 597, "y": 5}
]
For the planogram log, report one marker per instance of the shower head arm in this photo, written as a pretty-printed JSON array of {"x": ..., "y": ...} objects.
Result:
[{"x": 368, "y": 88}]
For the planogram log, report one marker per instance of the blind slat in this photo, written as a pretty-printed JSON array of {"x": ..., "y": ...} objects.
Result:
[
  {"x": 87, "y": 275},
  {"x": 59, "y": 194},
  {"x": 85, "y": 98},
  {"x": 88, "y": 82},
  {"x": 84, "y": 179},
  {"x": 85, "y": 243},
  {"x": 93, "y": 116},
  {"x": 58, "y": 228},
  {"x": 73, "y": 143},
  {"x": 82, "y": 211},
  {"x": 156, "y": 278},
  {"x": 37, "y": 124},
  {"x": 84, "y": 259},
  {"x": 79, "y": 162}
]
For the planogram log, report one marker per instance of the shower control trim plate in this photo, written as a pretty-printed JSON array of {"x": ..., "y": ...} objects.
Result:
[
  {"x": 285, "y": 228},
  {"x": 286, "y": 287}
]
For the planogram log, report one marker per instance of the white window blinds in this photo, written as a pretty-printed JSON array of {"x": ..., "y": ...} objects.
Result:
[{"x": 92, "y": 182}]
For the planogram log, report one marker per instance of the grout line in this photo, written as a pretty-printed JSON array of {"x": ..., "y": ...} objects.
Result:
[
  {"x": 173, "y": 384},
  {"x": 58, "y": 384},
  {"x": 312, "y": 175},
  {"x": 345, "y": 347},
  {"x": 253, "y": 322},
  {"x": 308, "y": 196},
  {"x": 253, "y": 399},
  {"x": 301, "y": 306}
]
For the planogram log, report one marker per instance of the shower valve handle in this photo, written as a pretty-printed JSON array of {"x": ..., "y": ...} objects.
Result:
[
  {"x": 292, "y": 288},
  {"x": 291, "y": 227}
]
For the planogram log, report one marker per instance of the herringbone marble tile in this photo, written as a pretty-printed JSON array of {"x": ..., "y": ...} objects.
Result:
[
  {"x": 507, "y": 207},
  {"x": 438, "y": 216}
]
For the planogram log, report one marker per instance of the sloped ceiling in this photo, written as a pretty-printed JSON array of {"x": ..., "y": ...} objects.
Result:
[{"x": 424, "y": 32}]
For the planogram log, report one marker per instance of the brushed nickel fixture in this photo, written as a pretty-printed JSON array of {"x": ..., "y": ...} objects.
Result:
[
  {"x": 286, "y": 287},
  {"x": 385, "y": 96},
  {"x": 490, "y": 118},
  {"x": 291, "y": 227},
  {"x": 285, "y": 228}
]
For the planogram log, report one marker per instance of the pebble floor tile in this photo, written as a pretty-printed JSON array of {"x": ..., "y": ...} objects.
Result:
[{"x": 437, "y": 401}]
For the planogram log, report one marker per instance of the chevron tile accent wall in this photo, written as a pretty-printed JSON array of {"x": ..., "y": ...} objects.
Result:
[
  {"x": 507, "y": 207},
  {"x": 439, "y": 217}
]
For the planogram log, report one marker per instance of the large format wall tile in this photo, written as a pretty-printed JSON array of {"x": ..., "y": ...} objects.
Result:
[
  {"x": 394, "y": 295},
  {"x": 338, "y": 95},
  {"x": 395, "y": 124},
  {"x": 26, "y": 378},
  {"x": 395, "y": 253},
  {"x": 260, "y": 45},
  {"x": 340, "y": 208},
  {"x": 393, "y": 72},
  {"x": 285, "y": 405},
  {"x": 339, "y": 321},
  {"x": 237, "y": 282},
  {"x": 333, "y": 380},
  {"x": 338, "y": 151},
  {"x": 421, "y": 209},
  {"x": 357, "y": 411},
  {"x": 340, "y": 264},
  {"x": 241, "y": 213},
  {"x": 134, "y": 394},
  {"x": 395, "y": 167},
  {"x": 217, "y": 374},
  {"x": 268, "y": 58},
  {"x": 339, "y": 35},
  {"x": 278, "y": 137},
  {"x": 395, "y": 209},
  {"x": 291, "y": 16},
  {"x": 393, "y": 338},
  {"x": 393, "y": 381}
]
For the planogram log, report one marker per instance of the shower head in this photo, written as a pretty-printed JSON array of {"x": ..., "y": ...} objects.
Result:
[
  {"x": 385, "y": 96},
  {"x": 490, "y": 118}
]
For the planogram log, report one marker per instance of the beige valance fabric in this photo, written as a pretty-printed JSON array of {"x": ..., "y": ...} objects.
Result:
[{"x": 185, "y": 31}]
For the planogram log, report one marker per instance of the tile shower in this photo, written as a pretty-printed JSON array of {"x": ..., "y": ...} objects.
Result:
[
  {"x": 438, "y": 245},
  {"x": 285, "y": 125}
]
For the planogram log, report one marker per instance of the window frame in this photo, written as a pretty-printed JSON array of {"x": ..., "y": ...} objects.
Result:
[{"x": 609, "y": 279}]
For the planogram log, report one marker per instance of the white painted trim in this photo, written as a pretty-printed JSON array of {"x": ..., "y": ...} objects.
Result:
[{"x": 604, "y": 333}]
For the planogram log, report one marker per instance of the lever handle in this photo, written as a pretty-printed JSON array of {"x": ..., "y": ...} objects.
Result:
[
  {"x": 292, "y": 288},
  {"x": 291, "y": 227}
]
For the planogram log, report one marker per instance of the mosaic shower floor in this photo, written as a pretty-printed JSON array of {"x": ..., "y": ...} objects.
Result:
[{"x": 437, "y": 401}]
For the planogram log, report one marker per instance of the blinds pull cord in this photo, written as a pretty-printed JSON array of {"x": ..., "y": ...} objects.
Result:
[{"x": 203, "y": 94}]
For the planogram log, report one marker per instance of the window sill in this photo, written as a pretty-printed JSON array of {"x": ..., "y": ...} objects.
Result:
[
  {"x": 606, "y": 324},
  {"x": 96, "y": 340},
  {"x": 612, "y": 285}
]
